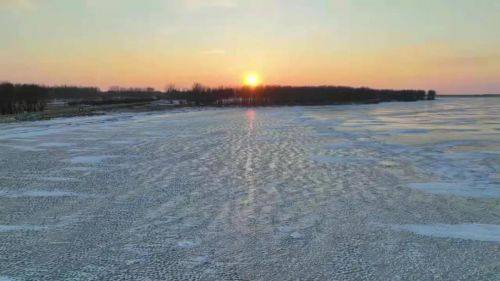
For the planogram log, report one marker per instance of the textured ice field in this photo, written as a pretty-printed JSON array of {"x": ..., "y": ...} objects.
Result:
[{"x": 395, "y": 191}]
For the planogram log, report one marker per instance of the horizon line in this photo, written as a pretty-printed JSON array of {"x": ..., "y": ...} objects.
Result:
[{"x": 157, "y": 89}]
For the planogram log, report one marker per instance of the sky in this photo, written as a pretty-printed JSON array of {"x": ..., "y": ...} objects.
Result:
[{"x": 452, "y": 46}]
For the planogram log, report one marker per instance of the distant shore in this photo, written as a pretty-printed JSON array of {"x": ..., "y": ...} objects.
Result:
[
  {"x": 88, "y": 110},
  {"x": 471, "y": 96},
  {"x": 25, "y": 102}
]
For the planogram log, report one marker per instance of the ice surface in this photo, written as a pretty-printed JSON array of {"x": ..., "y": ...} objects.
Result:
[
  {"x": 57, "y": 179},
  {"x": 56, "y": 144},
  {"x": 460, "y": 188},
  {"x": 278, "y": 193},
  {"x": 297, "y": 235},
  {"x": 90, "y": 159},
  {"x": 39, "y": 193},
  {"x": 479, "y": 232},
  {"x": 79, "y": 169},
  {"x": 10, "y": 228},
  {"x": 340, "y": 159},
  {"x": 25, "y": 148},
  {"x": 186, "y": 244}
]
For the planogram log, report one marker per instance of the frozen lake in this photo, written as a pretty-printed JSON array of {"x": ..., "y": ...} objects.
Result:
[{"x": 395, "y": 191}]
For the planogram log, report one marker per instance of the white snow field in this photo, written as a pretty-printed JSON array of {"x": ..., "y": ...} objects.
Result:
[{"x": 394, "y": 191}]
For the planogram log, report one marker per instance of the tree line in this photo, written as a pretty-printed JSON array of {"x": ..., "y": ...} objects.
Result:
[
  {"x": 288, "y": 95},
  {"x": 19, "y": 98},
  {"x": 22, "y": 98}
]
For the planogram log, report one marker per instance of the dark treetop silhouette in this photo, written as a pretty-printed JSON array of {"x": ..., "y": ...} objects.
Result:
[{"x": 18, "y": 98}]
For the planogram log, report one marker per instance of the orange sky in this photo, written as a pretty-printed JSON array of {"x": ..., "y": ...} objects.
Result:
[{"x": 451, "y": 46}]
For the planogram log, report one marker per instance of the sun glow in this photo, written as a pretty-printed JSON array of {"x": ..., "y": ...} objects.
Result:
[{"x": 252, "y": 80}]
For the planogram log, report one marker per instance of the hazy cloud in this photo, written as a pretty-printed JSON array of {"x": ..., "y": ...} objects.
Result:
[
  {"x": 470, "y": 60},
  {"x": 214, "y": 52},
  {"x": 195, "y": 4},
  {"x": 17, "y": 5}
]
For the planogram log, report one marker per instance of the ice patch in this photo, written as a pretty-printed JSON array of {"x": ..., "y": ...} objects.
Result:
[
  {"x": 199, "y": 260},
  {"x": 122, "y": 142},
  {"x": 91, "y": 159},
  {"x": 388, "y": 163},
  {"x": 479, "y": 232},
  {"x": 185, "y": 244},
  {"x": 79, "y": 169},
  {"x": 339, "y": 159},
  {"x": 39, "y": 193},
  {"x": 29, "y": 132},
  {"x": 399, "y": 132},
  {"x": 12, "y": 228},
  {"x": 285, "y": 229},
  {"x": 327, "y": 134},
  {"x": 460, "y": 189},
  {"x": 6, "y": 278},
  {"x": 24, "y": 148},
  {"x": 55, "y": 144},
  {"x": 340, "y": 146},
  {"x": 470, "y": 156},
  {"x": 57, "y": 179},
  {"x": 297, "y": 235},
  {"x": 412, "y": 131}
]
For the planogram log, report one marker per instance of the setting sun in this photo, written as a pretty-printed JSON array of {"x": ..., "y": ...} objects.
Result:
[{"x": 252, "y": 80}]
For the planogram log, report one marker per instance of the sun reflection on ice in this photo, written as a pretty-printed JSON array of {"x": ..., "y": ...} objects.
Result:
[{"x": 250, "y": 114}]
